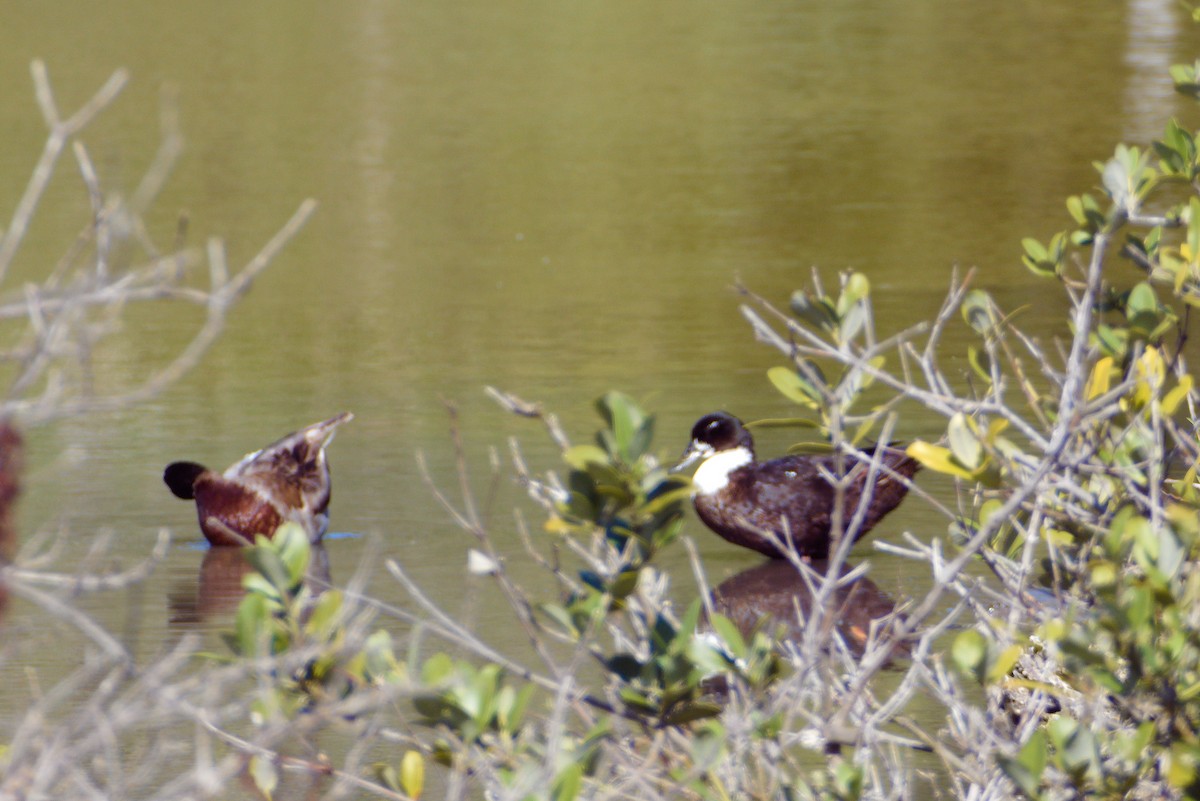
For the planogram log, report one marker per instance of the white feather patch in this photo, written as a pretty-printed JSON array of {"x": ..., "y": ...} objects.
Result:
[{"x": 713, "y": 473}]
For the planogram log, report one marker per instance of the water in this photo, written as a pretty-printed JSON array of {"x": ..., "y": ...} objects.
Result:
[{"x": 553, "y": 200}]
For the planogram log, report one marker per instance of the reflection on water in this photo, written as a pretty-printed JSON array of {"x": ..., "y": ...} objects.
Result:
[
  {"x": 218, "y": 590},
  {"x": 774, "y": 593},
  {"x": 1154, "y": 26}
]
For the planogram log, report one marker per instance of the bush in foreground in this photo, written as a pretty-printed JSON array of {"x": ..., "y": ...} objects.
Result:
[{"x": 1072, "y": 669}]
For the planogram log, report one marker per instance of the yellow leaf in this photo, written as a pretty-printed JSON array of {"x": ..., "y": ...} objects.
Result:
[
  {"x": 1152, "y": 368},
  {"x": 939, "y": 459},
  {"x": 1175, "y": 396},
  {"x": 1182, "y": 271},
  {"x": 1104, "y": 574},
  {"x": 1004, "y": 663},
  {"x": 412, "y": 774},
  {"x": 556, "y": 525},
  {"x": 1149, "y": 372},
  {"x": 1100, "y": 380}
]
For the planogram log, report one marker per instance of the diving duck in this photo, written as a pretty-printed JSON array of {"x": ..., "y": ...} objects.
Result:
[
  {"x": 285, "y": 481},
  {"x": 740, "y": 498}
]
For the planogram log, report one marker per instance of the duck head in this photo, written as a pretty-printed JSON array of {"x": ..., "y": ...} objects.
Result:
[{"x": 721, "y": 443}]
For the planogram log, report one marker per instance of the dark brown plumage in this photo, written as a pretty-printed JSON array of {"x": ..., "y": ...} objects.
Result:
[
  {"x": 285, "y": 481},
  {"x": 740, "y": 498}
]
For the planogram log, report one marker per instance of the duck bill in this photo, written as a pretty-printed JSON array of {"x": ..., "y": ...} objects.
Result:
[{"x": 694, "y": 452}]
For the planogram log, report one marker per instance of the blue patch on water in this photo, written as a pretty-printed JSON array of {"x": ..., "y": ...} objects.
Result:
[
  {"x": 202, "y": 545},
  {"x": 342, "y": 535}
]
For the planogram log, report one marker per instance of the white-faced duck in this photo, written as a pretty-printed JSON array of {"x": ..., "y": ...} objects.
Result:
[
  {"x": 760, "y": 505},
  {"x": 285, "y": 481}
]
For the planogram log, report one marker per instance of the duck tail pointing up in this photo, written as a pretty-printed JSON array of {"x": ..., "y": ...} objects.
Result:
[{"x": 319, "y": 434}]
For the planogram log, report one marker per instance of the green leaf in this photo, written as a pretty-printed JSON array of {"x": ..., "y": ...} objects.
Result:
[
  {"x": 291, "y": 540},
  {"x": 1075, "y": 209},
  {"x": 965, "y": 446},
  {"x": 1034, "y": 249},
  {"x": 1180, "y": 765},
  {"x": 643, "y": 436},
  {"x": 969, "y": 652},
  {"x": 1114, "y": 341},
  {"x": 266, "y": 778},
  {"x": 795, "y": 388},
  {"x": 561, "y": 616},
  {"x": 848, "y": 780},
  {"x": 437, "y": 670},
  {"x": 1037, "y": 259},
  {"x": 817, "y": 312},
  {"x": 1076, "y": 748},
  {"x": 1142, "y": 307},
  {"x": 637, "y": 700},
  {"x": 380, "y": 657},
  {"x": 326, "y": 613},
  {"x": 1193, "y": 232},
  {"x": 977, "y": 310},
  {"x": 386, "y": 775},
  {"x": 857, "y": 288},
  {"x": 661, "y": 500},
  {"x": 623, "y": 417},
  {"x": 581, "y": 457},
  {"x": 264, "y": 557},
  {"x": 510, "y": 707},
  {"x": 1172, "y": 554},
  {"x": 255, "y": 584},
  {"x": 1027, "y": 769},
  {"x": 728, "y": 632},
  {"x": 852, "y": 322},
  {"x": 624, "y": 584},
  {"x": 250, "y": 624},
  {"x": 980, "y": 362},
  {"x": 568, "y": 783},
  {"x": 693, "y": 711},
  {"x": 708, "y": 744},
  {"x": 708, "y": 658}
]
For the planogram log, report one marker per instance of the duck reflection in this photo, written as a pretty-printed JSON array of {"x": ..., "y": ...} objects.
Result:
[
  {"x": 774, "y": 594},
  {"x": 219, "y": 590},
  {"x": 12, "y": 462}
]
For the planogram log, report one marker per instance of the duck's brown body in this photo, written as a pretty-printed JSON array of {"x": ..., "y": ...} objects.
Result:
[
  {"x": 761, "y": 505},
  {"x": 286, "y": 481}
]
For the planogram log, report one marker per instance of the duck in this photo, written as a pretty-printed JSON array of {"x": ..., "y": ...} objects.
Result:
[
  {"x": 786, "y": 503},
  {"x": 286, "y": 481}
]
